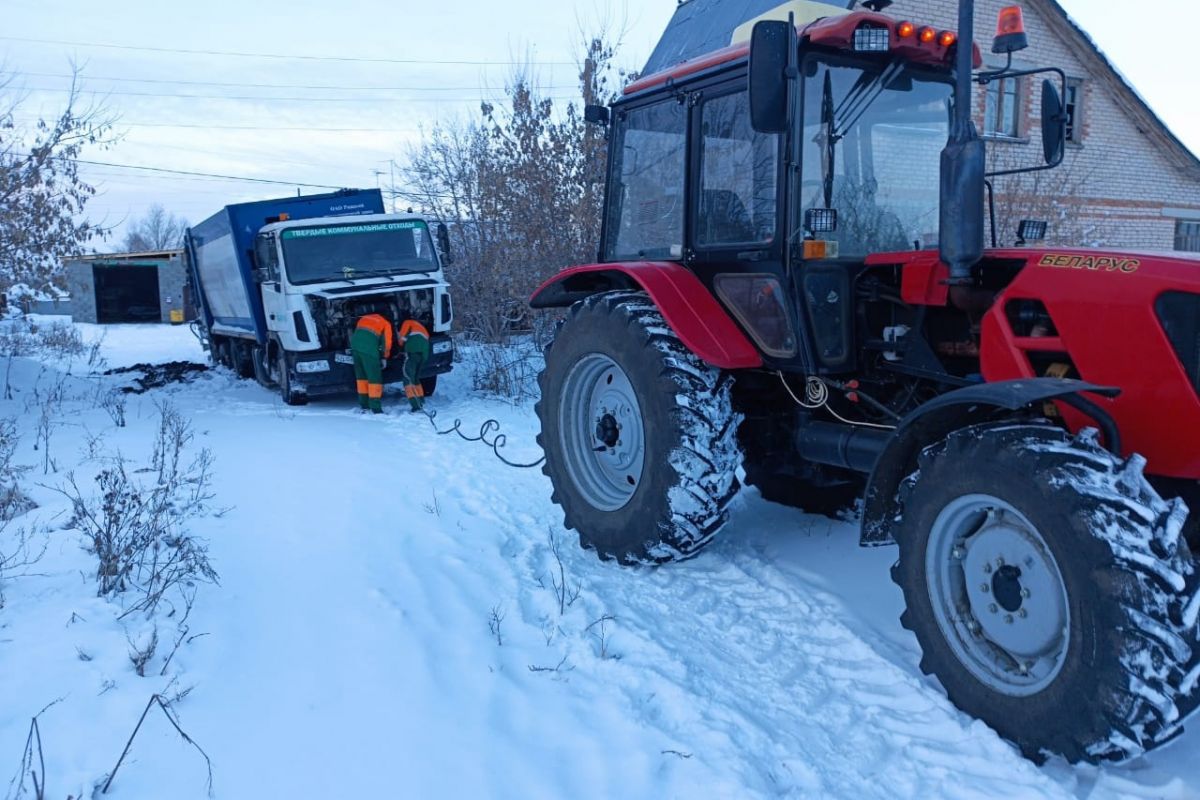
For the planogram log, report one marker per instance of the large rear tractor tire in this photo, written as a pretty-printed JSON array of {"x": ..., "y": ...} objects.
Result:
[
  {"x": 639, "y": 434},
  {"x": 1051, "y": 591}
]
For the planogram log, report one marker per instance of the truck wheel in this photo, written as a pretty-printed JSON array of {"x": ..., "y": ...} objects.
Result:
[
  {"x": 1050, "y": 590},
  {"x": 639, "y": 433},
  {"x": 429, "y": 385},
  {"x": 243, "y": 358},
  {"x": 224, "y": 353},
  {"x": 261, "y": 373},
  {"x": 291, "y": 396}
]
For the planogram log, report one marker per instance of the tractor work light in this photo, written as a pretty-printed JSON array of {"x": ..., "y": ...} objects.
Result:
[
  {"x": 927, "y": 35},
  {"x": 872, "y": 39},
  {"x": 1010, "y": 31},
  {"x": 820, "y": 220},
  {"x": 1031, "y": 230},
  {"x": 905, "y": 30}
]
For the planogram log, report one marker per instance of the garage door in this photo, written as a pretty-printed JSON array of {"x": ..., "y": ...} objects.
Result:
[{"x": 127, "y": 294}]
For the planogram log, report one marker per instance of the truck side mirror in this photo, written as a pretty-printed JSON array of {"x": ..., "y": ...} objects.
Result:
[
  {"x": 266, "y": 268},
  {"x": 443, "y": 240},
  {"x": 771, "y": 44},
  {"x": 1054, "y": 124}
]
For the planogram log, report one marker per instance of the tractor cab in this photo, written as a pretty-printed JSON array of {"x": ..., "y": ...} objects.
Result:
[{"x": 774, "y": 168}]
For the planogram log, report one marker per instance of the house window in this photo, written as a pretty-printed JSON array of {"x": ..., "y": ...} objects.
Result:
[
  {"x": 1187, "y": 235},
  {"x": 1073, "y": 106},
  {"x": 1002, "y": 115}
]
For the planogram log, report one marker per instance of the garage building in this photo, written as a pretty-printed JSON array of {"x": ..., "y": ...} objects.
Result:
[{"x": 129, "y": 287}]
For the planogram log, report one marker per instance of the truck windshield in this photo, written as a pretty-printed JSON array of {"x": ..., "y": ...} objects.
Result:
[
  {"x": 872, "y": 139},
  {"x": 357, "y": 250}
]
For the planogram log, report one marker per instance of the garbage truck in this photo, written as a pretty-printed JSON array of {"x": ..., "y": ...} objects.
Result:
[{"x": 280, "y": 285}]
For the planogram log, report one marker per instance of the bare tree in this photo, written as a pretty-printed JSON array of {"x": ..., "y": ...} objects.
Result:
[
  {"x": 1057, "y": 197},
  {"x": 521, "y": 189},
  {"x": 42, "y": 194},
  {"x": 158, "y": 230}
]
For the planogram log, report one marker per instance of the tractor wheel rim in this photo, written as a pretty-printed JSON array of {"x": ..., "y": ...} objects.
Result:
[
  {"x": 998, "y": 595},
  {"x": 603, "y": 433}
]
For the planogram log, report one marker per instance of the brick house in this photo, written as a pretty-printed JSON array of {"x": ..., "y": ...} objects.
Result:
[{"x": 1126, "y": 180}]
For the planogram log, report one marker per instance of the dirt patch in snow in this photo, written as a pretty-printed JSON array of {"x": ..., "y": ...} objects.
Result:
[{"x": 154, "y": 376}]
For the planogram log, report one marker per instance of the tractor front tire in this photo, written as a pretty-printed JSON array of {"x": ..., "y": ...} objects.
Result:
[
  {"x": 639, "y": 434},
  {"x": 1051, "y": 590}
]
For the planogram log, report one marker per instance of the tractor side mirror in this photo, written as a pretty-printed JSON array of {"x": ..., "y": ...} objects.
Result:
[
  {"x": 443, "y": 240},
  {"x": 1054, "y": 124},
  {"x": 771, "y": 44},
  {"x": 596, "y": 115}
]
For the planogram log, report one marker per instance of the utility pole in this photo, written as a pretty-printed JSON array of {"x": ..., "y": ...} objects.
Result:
[{"x": 392, "y": 167}]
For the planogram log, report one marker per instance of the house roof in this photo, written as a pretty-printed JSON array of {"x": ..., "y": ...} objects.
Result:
[
  {"x": 699, "y": 27},
  {"x": 1126, "y": 95},
  {"x": 147, "y": 255}
]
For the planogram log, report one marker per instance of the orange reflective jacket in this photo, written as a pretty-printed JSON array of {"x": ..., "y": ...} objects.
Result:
[
  {"x": 412, "y": 326},
  {"x": 378, "y": 325}
]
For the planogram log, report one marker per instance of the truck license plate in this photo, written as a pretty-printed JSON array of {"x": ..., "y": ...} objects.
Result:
[{"x": 343, "y": 358}]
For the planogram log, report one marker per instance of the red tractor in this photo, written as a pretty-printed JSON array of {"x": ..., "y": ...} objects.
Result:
[{"x": 793, "y": 279}]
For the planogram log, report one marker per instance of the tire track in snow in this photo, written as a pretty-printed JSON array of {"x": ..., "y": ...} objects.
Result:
[{"x": 750, "y": 671}]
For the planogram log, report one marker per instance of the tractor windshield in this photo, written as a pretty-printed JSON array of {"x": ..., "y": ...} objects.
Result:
[{"x": 872, "y": 139}]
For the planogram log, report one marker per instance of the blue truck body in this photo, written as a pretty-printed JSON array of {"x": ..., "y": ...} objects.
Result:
[{"x": 219, "y": 253}]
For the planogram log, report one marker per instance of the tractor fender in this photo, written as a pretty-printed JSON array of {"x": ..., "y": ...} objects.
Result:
[
  {"x": 972, "y": 405},
  {"x": 696, "y": 317}
]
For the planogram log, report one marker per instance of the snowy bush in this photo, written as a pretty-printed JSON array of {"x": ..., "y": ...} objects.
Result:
[
  {"x": 506, "y": 370},
  {"x": 13, "y": 501},
  {"x": 26, "y": 336},
  {"x": 22, "y": 546},
  {"x": 137, "y": 526}
]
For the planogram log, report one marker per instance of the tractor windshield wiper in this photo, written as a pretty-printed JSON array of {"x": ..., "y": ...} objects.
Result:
[{"x": 841, "y": 120}]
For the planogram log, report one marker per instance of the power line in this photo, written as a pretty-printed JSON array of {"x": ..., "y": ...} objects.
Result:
[
  {"x": 236, "y": 54},
  {"x": 273, "y": 85},
  {"x": 281, "y": 99},
  {"x": 305, "y": 128},
  {"x": 239, "y": 178}
]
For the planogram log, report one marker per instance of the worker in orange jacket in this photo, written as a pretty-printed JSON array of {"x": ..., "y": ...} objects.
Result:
[
  {"x": 414, "y": 337},
  {"x": 371, "y": 346}
]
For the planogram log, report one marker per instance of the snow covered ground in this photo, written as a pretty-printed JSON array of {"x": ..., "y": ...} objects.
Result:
[{"x": 351, "y": 648}]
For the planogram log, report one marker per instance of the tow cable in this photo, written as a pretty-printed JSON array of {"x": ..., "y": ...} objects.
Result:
[{"x": 489, "y": 427}]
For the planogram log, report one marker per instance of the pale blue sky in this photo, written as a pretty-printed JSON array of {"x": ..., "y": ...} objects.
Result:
[{"x": 275, "y": 138}]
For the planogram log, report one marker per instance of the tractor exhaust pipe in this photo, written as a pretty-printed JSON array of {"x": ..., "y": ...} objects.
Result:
[{"x": 963, "y": 165}]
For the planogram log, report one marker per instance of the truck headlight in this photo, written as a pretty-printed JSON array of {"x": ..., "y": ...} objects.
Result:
[
  {"x": 443, "y": 347},
  {"x": 312, "y": 366}
]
